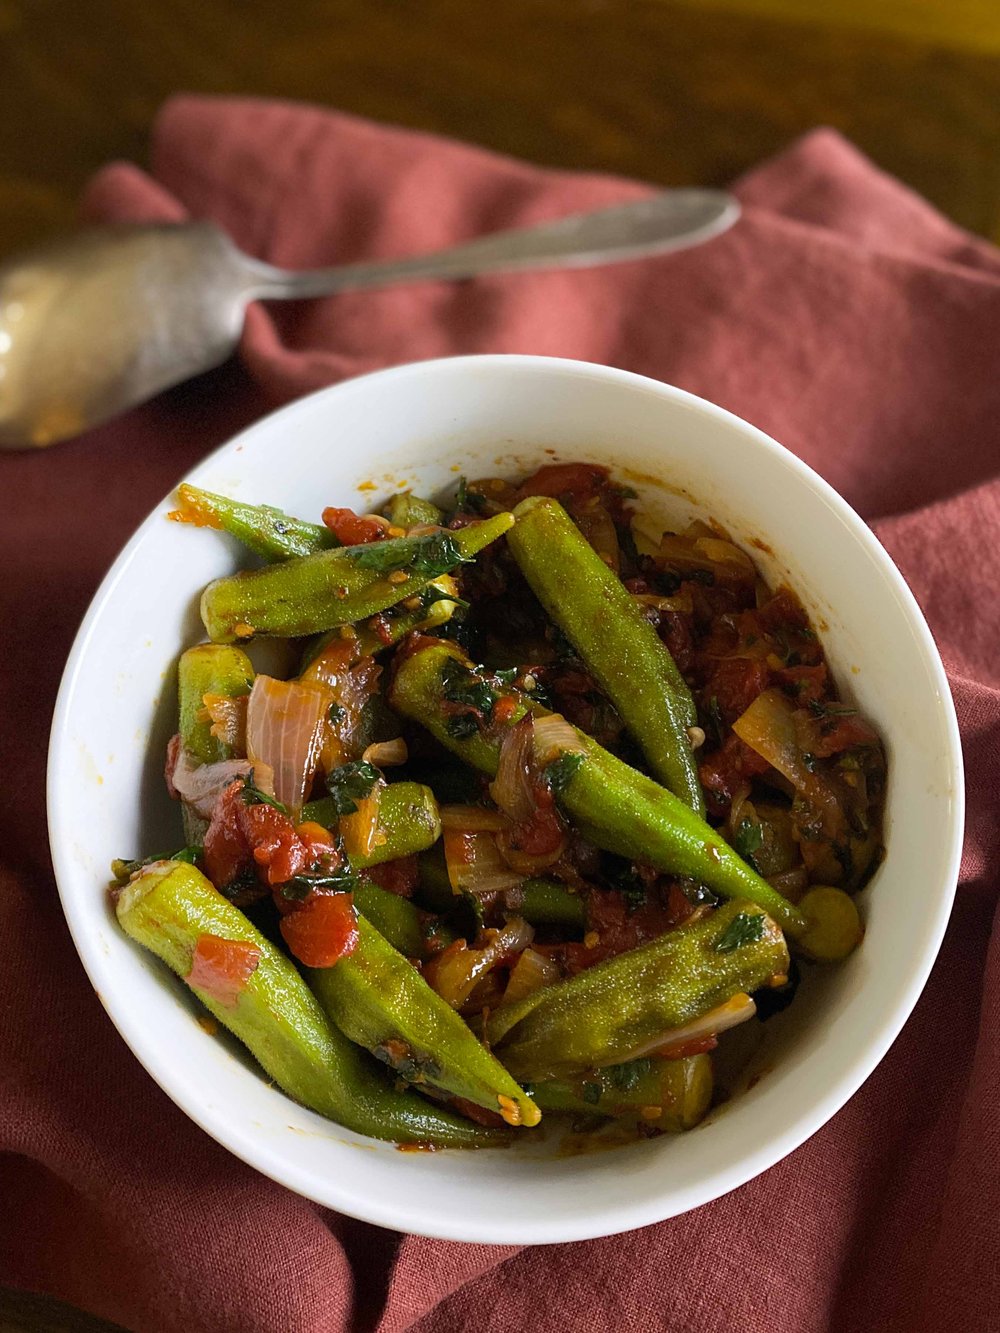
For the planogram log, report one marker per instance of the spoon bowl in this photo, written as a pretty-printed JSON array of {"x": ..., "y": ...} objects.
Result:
[{"x": 103, "y": 320}]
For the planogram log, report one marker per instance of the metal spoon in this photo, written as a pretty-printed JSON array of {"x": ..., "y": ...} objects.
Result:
[{"x": 105, "y": 319}]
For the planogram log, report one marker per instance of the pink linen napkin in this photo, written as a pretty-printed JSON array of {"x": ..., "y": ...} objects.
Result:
[{"x": 844, "y": 316}]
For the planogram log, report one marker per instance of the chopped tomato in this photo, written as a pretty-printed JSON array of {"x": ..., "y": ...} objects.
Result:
[
  {"x": 479, "y": 1114},
  {"x": 575, "y": 481},
  {"x": 352, "y": 529},
  {"x": 322, "y": 929},
  {"x": 227, "y": 853},
  {"x": 221, "y": 968},
  {"x": 735, "y": 682},
  {"x": 842, "y": 731},
  {"x": 726, "y": 769},
  {"x": 400, "y": 876},
  {"x": 504, "y": 708},
  {"x": 806, "y": 683},
  {"x": 245, "y": 838}
]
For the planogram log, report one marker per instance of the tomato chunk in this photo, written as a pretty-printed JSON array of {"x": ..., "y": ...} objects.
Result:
[
  {"x": 352, "y": 529},
  {"x": 221, "y": 968},
  {"x": 322, "y": 930}
]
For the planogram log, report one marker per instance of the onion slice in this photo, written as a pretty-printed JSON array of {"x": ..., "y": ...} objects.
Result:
[
  {"x": 511, "y": 788},
  {"x": 553, "y": 736},
  {"x": 284, "y": 730},
  {"x": 386, "y": 754},
  {"x": 455, "y": 972},
  {"x": 473, "y": 819},
  {"x": 531, "y": 972},
  {"x": 199, "y": 786},
  {"x": 737, "y": 1009},
  {"x": 360, "y": 830},
  {"x": 475, "y": 864}
]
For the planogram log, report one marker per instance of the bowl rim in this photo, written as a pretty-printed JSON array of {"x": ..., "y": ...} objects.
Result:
[{"x": 597, "y": 1222}]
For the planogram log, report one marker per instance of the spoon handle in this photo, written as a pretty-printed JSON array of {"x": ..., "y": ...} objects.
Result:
[{"x": 663, "y": 222}]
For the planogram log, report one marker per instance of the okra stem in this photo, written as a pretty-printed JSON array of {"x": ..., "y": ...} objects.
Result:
[
  {"x": 617, "y": 644},
  {"x": 263, "y": 529}
]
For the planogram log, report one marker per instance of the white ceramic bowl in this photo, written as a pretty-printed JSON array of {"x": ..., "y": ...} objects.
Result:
[{"x": 421, "y": 425}]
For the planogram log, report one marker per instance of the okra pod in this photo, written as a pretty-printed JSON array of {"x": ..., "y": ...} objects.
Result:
[
  {"x": 408, "y": 820},
  {"x": 379, "y": 1000},
  {"x": 170, "y": 906},
  {"x": 620, "y": 1009},
  {"x": 406, "y": 510},
  {"x": 263, "y": 529},
  {"x": 615, "y": 641},
  {"x": 673, "y": 1095},
  {"x": 392, "y": 916},
  {"x": 210, "y": 668},
  {"x": 548, "y": 902},
  {"x": 339, "y": 587},
  {"x": 615, "y": 806}
]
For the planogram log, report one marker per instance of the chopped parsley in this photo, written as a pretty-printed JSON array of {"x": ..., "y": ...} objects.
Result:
[
  {"x": 252, "y": 794},
  {"x": 625, "y": 1078},
  {"x": 336, "y": 713},
  {"x": 461, "y": 726},
  {"x": 562, "y": 770},
  {"x": 299, "y": 888},
  {"x": 351, "y": 783},
  {"x": 591, "y": 1093},
  {"x": 436, "y": 553},
  {"x": 745, "y": 928},
  {"x": 748, "y": 838}
]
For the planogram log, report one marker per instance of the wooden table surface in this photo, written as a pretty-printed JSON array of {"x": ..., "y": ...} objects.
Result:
[{"x": 675, "y": 93}]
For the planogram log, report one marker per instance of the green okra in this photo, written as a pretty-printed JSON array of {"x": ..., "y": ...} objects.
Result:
[
  {"x": 679, "y": 1090},
  {"x": 618, "y": 808},
  {"x": 408, "y": 820},
  {"x": 338, "y": 587},
  {"x": 615, "y": 1011},
  {"x": 379, "y": 1000},
  {"x": 209, "y": 668},
  {"x": 263, "y": 529},
  {"x": 393, "y": 917},
  {"x": 548, "y": 902},
  {"x": 406, "y": 510},
  {"x": 168, "y": 907},
  {"x": 615, "y": 641}
]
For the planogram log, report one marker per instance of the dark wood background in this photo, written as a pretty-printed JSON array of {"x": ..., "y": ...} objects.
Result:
[{"x": 690, "y": 92}]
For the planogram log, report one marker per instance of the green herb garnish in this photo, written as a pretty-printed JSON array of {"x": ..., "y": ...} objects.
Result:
[
  {"x": 748, "y": 838},
  {"x": 351, "y": 783},
  {"x": 252, "y": 794},
  {"x": 300, "y": 887},
  {"x": 434, "y": 554},
  {"x": 745, "y": 928},
  {"x": 625, "y": 1078},
  {"x": 591, "y": 1093},
  {"x": 123, "y": 869},
  {"x": 336, "y": 713},
  {"x": 561, "y": 771}
]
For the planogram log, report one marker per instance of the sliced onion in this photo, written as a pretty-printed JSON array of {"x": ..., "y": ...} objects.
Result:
[
  {"x": 722, "y": 552},
  {"x": 284, "y": 729},
  {"x": 455, "y": 972},
  {"x": 473, "y": 818},
  {"x": 531, "y": 972},
  {"x": 360, "y": 830},
  {"x": 512, "y": 788},
  {"x": 737, "y": 1009},
  {"x": 228, "y": 717},
  {"x": 200, "y": 785},
  {"x": 475, "y": 864},
  {"x": 386, "y": 754},
  {"x": 552, "y": 737},
  {"x": 768, "y": 727}
]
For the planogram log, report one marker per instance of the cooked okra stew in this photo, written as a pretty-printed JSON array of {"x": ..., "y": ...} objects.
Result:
[{"x": 546, "y": 802}]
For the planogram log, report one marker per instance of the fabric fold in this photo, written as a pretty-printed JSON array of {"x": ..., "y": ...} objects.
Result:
[{"x": 844, "y": 316}]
